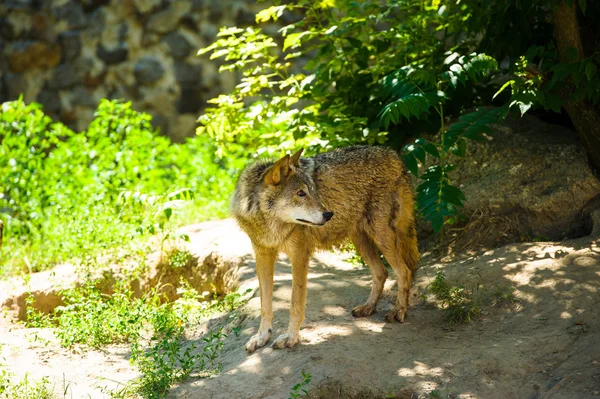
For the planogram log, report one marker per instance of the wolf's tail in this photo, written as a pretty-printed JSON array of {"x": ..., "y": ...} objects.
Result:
[
  {"x": 410, "y": 253},
  {"x": 407, "y": 244}
]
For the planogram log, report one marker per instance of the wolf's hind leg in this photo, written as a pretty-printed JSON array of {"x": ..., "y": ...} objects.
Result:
[
  {"x": 393, "y": 244},
  {"x": 367, "y": 249},
  {"x": 265, "y": 266}
]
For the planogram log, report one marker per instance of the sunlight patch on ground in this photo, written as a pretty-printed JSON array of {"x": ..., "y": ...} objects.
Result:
[
  {"x": 334, "y": 310},
  {"x": 421, "y": 369},
  {"x": 322, "y": 334}
]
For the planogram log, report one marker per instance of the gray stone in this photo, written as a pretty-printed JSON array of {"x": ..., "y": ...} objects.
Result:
[
  {"x": 50, "y": 100},
  {"x": 113, "y": 56},
  {"x": 148, "y": 70},
  {"x": 71, "y": 43},
  {"x": 146, "y": 6},
  {"x": 191, "y": 100},
  {"x": 150, "y": 38},
  {"x": 179, "y": 46},
  {"x": 187, "y": 74},
  {"x": 97, "y": 22},
  {"x": 19, "y": 4},
  {"x": 89, "y": 5},
  {"x": 7, "y": 30},
  {"x": 167, "y": 20},
  {"x": 65, "y": 76},
  {"x": 72, "y": 12},
  {"x": 198, "y": 4},
  {"x": 245, "y": 17},
  {"x": 80, "y": 95},
  {"x": 123, "y": 31},
  {"x": 15, "y": 84}
]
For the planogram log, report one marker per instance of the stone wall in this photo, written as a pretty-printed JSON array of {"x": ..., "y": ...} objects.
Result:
[{"x": 68, "y": 54}]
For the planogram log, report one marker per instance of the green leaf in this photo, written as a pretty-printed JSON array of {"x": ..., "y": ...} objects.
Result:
[
  {"x": 411, "y": 164},
  {"x": 293, "y": 40},
  {"x": 583, "y": 6}
]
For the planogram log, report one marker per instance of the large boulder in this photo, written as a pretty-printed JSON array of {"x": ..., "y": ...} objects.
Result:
[{"x": 529, "y": 181}]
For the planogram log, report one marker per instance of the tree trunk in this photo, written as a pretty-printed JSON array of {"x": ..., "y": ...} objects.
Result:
[{"x": 585, "y": 116}]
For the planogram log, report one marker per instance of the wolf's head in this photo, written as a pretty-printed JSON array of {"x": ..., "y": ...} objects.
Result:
[{"x": 290, "y": 195}]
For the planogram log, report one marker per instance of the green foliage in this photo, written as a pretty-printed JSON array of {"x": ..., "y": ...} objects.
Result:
[
  {"x": 354, "y": 54},
  {"x": 437, "y": 198},
  {"x": 374, "y": 70},
  {"x": 299, "y": 390},
  {"x": 64, "y": 194},
  {"x": 24, "y": 388},
  {"x": 457, "y": 301}
]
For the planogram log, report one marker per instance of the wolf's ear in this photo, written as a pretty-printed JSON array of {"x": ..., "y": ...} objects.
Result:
[
  {"x": 296, "y": 158},
  {"x": 278, "y": 172}
]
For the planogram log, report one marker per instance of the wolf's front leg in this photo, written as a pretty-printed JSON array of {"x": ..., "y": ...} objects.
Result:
[
  {"x": 300, "y": 258},
  {"x": 265, "y": 265}
]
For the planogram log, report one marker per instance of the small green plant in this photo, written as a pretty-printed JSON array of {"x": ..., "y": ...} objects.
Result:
[
  {"x": 458, "y": 302},
  {"x": 299, "y": 390},
  {"x": 503, "y": 296},
  {"x": 24, "y": 388},
  {"x": 435, "y": 394}
]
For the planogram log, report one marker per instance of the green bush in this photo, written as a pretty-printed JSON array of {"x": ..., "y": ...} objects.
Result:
[
  {"x": 60, "y": 190},
  {"x": 380, "y": 71}
]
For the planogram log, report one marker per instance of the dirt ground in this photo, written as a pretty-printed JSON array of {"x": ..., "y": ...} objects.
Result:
[{"x": 547, "y": 345}]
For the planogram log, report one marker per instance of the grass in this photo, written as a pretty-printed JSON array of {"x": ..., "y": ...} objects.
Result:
[
  {"x": 24, "y": 388},
  {"x": 462, "y": 304}
]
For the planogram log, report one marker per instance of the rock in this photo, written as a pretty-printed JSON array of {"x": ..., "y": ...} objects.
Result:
[
  {"x": 148, "y": 70},
  {"x": 97, "y": 22},
  {"x": 82, "y": 96},
  {"x": 167, "y": 20},
  {"x": 16, "y": 24},
  {"x": 15, "y": 84},
  {"x": 150, "y": 38},
  {"x": 65, "y": 76},
  {"x": 50, "y": 100},
  {"x": 19, "y": 4},
  {"x": 146, "y": 6},
  {"x": 72, "y": 13},
  {"x": 7, "y": 31},
  {"x": 182, "y": 127},
  {"x": 531, "y": 180},
  {"x": 179, "y": 46},
  {"x": 245, "y": 17},
  {"x": 191, "y": 100},
  {"x": 26, "y": 55},
  {"x": 113, "y": 55},
  {"x": 89, "y": 5},
  {"x": 71, "y": 43},
  {"x": 187, "y": 74}
]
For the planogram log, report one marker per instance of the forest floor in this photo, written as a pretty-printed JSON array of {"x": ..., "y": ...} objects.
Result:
[{"x": 541, "y": 340}]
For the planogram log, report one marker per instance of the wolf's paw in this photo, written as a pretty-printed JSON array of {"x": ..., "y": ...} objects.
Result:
[
  {"x": 258, "y": 341},
  {"x": 286, "y": 341},
  {"x": 398, "y": 315},
  {"x": 363, "y": 311}
]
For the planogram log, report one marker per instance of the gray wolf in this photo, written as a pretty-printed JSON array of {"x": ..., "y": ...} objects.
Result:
[{"x": 300, "y": 205}]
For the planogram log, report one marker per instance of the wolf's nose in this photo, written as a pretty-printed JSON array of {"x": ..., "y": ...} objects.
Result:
[{"x": 327, "y": 215}]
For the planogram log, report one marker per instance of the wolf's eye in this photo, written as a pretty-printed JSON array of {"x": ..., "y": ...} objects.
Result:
[{"x": 301, "y": 193}]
